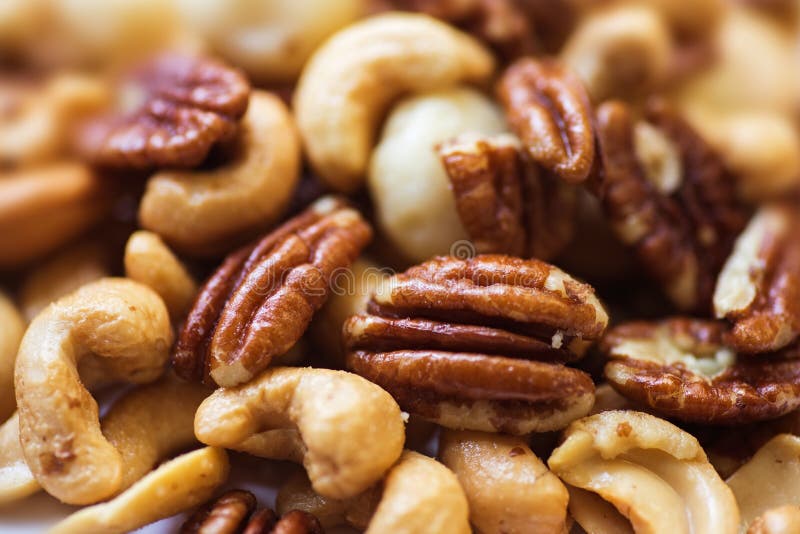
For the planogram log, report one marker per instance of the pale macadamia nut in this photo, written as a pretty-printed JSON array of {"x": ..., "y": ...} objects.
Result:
[
  {"x": 652, "y": 472},
  {"x": 413, "y": 201},
  {"x": 346, "y": 431},
  {"x": 16, "y": 480},
  {"x": 12, "y": 327},
  {"x": 509, "y": 489}
]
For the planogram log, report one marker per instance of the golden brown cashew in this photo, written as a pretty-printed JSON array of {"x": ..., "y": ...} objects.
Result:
[
  {"x": 510, "y": 491},
  {"x": 771, "y": 478},
  {"x": 418, "y": 496},
  {"x": 148, "y": 260},
  {"x": 654, "y": 473},
  {"x": 118, "y": 327},
  {"x": 16, "y": 480},
  {"x": 12, "y": 327},
  {"x": 201, "y": 211},
  {"x": 350, "y": 80},
  {"x": 176, "y": 486},
  {"x": 346, "y": 431}
]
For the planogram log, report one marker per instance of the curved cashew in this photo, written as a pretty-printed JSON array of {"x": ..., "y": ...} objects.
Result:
[
  {"x": 122, "y": 330},
  {"x": 769, "y": 479},
  {"x": 149, "y": 261},
  {"x": 346, "y": 431},
  {"x": 654, "y": 473},
  {"x": 176, "y": 486},
  {"x": 418, "y": 496},
  {"x": 201, "y": 211},
  {"x": 12, "y": 327},
  {"x": 350, "y": 80},
  {"x": 508, "y": 488},
  {"x": 16, "y": 480}
]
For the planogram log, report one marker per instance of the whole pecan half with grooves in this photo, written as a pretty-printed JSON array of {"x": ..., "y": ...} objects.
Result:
[
  {"x": 682, "y": 227},
  {"x": 179, "y": 107},
  {"x": 507, "y": 204},
  {"x": 759, "y": 287},
  {"x": 549, "y": 110},
  {"x": 683, "y": 369},
  {"x": 479, "y": 343},
  {"x": 261, "y": 299}
]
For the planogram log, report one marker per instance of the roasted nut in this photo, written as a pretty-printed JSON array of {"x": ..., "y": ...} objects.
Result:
[
  {"x": 682, "y": 234},
  {"x": 769, "y": 479},
  {"x": 202, "y": 211},
  {"x": 758, "y": 289},
  {"x": 261, "y": 299},
  {"x": 655, "y": 474},
  {"x": 452, "y": 340},
  {"x": 349, "y": 82},
  {"x": 115, "y": 325},
  {"x": 549, "y": 110},
  {"x": 683, "y": 369},
  {"x": 181, "y": 107},
  {"x": 45, "y": 207},
  {"x": 16, "y": 480},
  {"x": 419, "y": 495},
  {"x": 509, "y": 490},
  {"x": 346, "y": 431},
  {"x": 173, "y": 487},
  {"x": 408, "y": 184},
  {"x": 780, "y": 520},
  {"x": 505, "y": 202},
  {"x": 150, "y": 262},
  {"x": 13, "y": 327},
  {"x": 622, "y": 52}
]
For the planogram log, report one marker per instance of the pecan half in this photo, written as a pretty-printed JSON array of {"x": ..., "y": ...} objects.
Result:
[
  {"x": 682, "y": 232},
  {"x": 549, "y": 110},
  {"x": 759, "y": 287},
  {"x": 506, "y": 203},
  {"x": 181, "y": 107},
  {"x": 479, "y": 343},
  {"x": 261, "y": 299},
  {"x": 683, "y": 369}
]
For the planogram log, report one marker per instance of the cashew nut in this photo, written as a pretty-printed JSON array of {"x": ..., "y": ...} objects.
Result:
[
  {"x": 176, "y": 486},
  {"x": 149, "y": 261},
  {"x": 16, "y": 480},
  {"x": 350, "y": 80},
  {"x": 780, "y": 520},
  {"x": 346, "y": 431},
  {"x": 203, "y": 211},
  {"x": 655, "y": 474},
  {"x": 12, "y": 327},
  {"x": 508, "y": 488},
  {"x": 121, "y": 329}
]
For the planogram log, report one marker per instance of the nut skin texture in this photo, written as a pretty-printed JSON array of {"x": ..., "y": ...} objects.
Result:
[
  {"x": 734, "y": 392},
  {"x": 203, "y": 212},
  {"x": 682, "y": 238},
  {"x": 506, "y": 203},
  {"x": 457, "y": 342},
  {"x": 10, "y": 336},
  {"x": 116, "y": 325},
  {"x": 780, "y": 520},
  {"x": 189, "y": 104},
  {"x": 349, "y": 82},
  {"x": 549, "y": 110},
  {"x": 223, "y": 515},
  {"x": 261, "y": 299},
  {"x": 345, "y": 430}
]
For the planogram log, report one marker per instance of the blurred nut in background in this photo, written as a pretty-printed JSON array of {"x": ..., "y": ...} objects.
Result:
[{"x": 11, "y": 330}]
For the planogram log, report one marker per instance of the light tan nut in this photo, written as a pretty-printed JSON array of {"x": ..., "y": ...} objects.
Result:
[
  {"x": 346, "y": 431},
  {"x": 205, "y": 211},
  {"x": 509, "y": 490},
  {"x": 621, "y": 52},
  {"x": 175, "y": 486},
  {"x": 43, "y": 208},
  {"x": 11, "y": 330},
  {"x": 479, "y": 344},
  {"x": 418, "y": 496},
  {"x": 62, "y": 274},
  {"x": 407, "y": 181},
  {"x": 698, "y": 21},
  {"x": 149, "y": 260},
  {"x": 758, "y": 289},
  {"x": 779, "y": 520},
  {"x": 654, "y": 473},
  {"x": 349, "y": 82},
  {"x": 16, "y": 480},
  {"x": 271, "y": 42},
  {"x": 507, "y": 204},
  {"x": 118, "y": 327},
  {"x": 594, "y": 515},
  {"x": 549, "y": 110},
  {"x": 771, "y": 478},
  {"x": 262, "y": 298}
]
